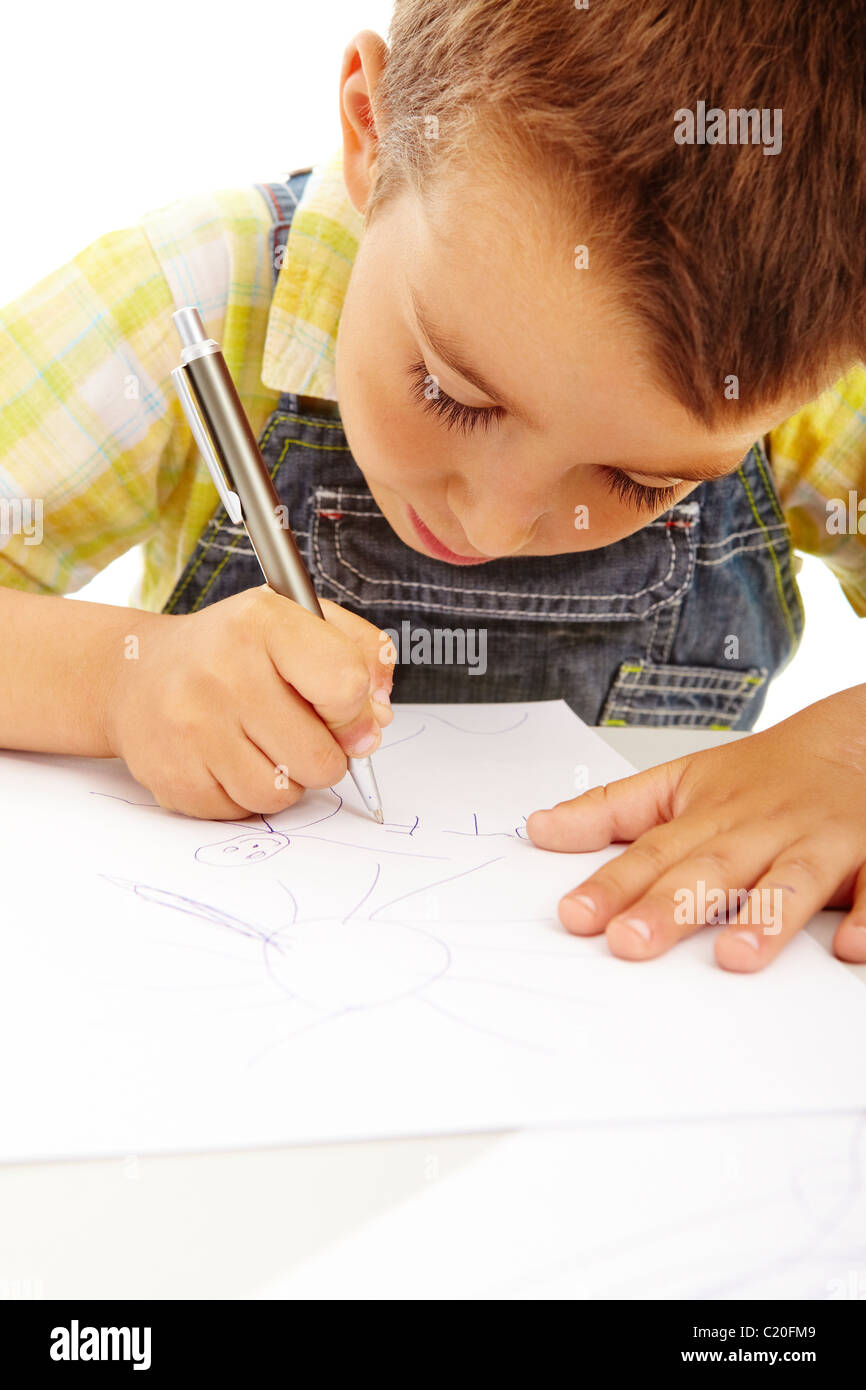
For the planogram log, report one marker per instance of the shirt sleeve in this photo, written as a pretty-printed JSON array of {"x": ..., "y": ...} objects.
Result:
[
  {"x": 818, "y": 458},
  {"x": 87, "y": 426}
]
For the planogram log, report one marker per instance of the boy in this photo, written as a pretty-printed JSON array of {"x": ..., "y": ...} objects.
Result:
[{"x": 571, "y": 282}]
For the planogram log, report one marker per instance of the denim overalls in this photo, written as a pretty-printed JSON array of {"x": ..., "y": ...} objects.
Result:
[{"x": 682, "y": 623}]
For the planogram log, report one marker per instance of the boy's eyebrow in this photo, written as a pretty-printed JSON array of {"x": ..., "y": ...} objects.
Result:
[{"x": 452, "y": 355}]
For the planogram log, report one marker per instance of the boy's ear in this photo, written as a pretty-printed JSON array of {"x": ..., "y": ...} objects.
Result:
[{"x": 363, "y": 64}]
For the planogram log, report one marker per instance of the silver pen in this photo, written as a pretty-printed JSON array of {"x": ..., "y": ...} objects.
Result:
[{"x": 222, "y": 432}]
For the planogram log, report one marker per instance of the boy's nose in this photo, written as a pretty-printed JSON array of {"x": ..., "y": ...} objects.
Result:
[
  {"x": 498, "y": 535},
  {"x": 498, "y": 519}
]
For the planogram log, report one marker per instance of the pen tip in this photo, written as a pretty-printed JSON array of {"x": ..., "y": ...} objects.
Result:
[{"x": 377, "y": 815}]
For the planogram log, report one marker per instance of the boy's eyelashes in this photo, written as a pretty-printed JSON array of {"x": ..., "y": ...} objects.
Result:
[
  {"x": 637, "y": 495},
  {"x": 425, "y": 389}
]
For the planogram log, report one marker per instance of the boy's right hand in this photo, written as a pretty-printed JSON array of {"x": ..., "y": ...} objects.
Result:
[{"x": 236, "y": 709}]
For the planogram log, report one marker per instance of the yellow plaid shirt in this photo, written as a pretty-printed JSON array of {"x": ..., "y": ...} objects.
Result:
[{"x": 91, "y": 429}]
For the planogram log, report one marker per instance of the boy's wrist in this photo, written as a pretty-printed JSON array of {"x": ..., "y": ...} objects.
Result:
[{"x": 123, "y": 647}]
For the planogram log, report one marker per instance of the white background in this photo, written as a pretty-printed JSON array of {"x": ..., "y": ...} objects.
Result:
[{"x": 97, "y": 105}]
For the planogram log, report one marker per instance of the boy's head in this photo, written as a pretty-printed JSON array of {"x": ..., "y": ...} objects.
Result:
[{"x": 605, "y": 249}]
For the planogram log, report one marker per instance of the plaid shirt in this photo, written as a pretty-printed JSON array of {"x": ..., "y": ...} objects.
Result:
[{"x": 91, "y": 429}]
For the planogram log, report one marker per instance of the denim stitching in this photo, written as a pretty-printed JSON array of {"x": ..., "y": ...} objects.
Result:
[
  {"x": 711, "y": 672},
  {"x": 752, "y": 549},
  {"x": 744, "y": 688},
  {"x": 720, "y": 708},
  {"x": 737, "y": 535},
  {"x": 281, "y": 417},
  {"x": 690, "y": 718}
]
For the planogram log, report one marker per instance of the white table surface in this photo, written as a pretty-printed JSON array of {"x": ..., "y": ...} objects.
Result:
[{"x": 223, "y": 1225}]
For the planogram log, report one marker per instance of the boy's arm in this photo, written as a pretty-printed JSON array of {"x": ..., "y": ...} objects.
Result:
[{"x": 60, "y": 664}]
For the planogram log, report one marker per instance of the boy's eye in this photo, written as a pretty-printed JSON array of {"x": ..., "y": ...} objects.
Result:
[
  {"x": 425, "y": 389},
  {"x": 636, "y": 494}
]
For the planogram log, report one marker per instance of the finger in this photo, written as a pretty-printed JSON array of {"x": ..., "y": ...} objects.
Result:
[
  {"x": 201, "y": 796},
  {"x": 796, "y": 885},
  {"x": 251, "y": 780},
  {"x": 291, "y": 735},
  {"x": 587, "y": 909},
  {"x": 849, "y": 942},
  {"x": 327, "y": 668},
  {"x": 707, "y": 886},
  {"x": 621, "y": 810},
  {"x": 379, "y": 652}
]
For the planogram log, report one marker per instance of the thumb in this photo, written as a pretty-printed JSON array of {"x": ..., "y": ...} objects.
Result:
[{"x": 620, "y": 810}]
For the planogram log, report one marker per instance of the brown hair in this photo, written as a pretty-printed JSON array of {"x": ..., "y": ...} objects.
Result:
[{"x": 731, "y": 260}]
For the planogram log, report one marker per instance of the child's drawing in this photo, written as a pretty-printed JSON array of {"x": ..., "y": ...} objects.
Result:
[{"x": 373, "y": 957}]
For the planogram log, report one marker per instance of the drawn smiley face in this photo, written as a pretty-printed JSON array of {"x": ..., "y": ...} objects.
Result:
[{"x": 251, "y": 848}]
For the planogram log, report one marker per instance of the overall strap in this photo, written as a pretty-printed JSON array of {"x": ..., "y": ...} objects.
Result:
[{"x": 282, "y": 200}]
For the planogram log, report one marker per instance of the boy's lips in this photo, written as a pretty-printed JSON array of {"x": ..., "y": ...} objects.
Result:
[{"x": 436, "y": 547}]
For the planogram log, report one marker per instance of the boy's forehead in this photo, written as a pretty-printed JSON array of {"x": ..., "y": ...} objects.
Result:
[{"x": 485, "y": 279}]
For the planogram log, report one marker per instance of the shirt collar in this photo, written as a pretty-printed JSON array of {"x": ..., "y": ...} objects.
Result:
[{"x": 300, "y": 344}]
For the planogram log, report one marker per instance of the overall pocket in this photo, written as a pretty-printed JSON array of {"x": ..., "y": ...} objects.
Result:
[{"x": 696, "y": 697}]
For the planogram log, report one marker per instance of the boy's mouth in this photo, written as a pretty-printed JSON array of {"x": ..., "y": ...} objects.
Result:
[{"x": 435, "y": 546}]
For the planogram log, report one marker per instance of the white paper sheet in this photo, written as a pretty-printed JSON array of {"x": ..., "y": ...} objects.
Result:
[
  {"x": 734, "y": 1209},
  {"x": 168, "y": 984}
]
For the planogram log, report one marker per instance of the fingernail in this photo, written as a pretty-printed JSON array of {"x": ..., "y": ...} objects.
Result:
[
  {"x": 749, "y": 937},
  {"x": 637, "y": 925},
  {"x": 382, "y": 697},
  {"x": 363, "y": 745},
  {"x": 584, "y": 902}
]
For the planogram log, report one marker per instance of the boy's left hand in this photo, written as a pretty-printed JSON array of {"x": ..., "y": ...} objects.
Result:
[{"x": 783, "y": 811}]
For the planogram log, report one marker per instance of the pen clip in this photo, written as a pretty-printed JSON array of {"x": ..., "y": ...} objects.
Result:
[{"x": 227, "y": 495}]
